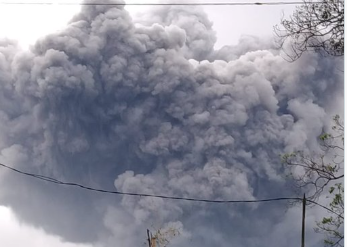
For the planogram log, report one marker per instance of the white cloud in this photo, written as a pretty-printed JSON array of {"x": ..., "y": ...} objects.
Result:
[{"x": 17, "y": 234}]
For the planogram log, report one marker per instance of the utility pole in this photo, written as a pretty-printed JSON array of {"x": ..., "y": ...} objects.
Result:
[
  {"x": 303, "y": 221},
  {"x": 148, "y": 238}
]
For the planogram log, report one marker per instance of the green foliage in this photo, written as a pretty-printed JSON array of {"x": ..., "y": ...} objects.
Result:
[
  {"x": 332, "y": 226},
  {"x": 314, "y": 26},
  {"x": 319, "y": 172},
  {"x": 325, "y": 136},
  {"x": 163, "y": 236}
]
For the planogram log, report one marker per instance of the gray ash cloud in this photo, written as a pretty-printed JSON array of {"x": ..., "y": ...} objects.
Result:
[{"x": 148, "y": 107}]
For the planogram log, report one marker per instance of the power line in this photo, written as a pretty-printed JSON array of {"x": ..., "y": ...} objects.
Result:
[
  {"x": 326, "y": 208},
  {"x": 56, "y": 181},
  {"x": 164, "y": 4}
]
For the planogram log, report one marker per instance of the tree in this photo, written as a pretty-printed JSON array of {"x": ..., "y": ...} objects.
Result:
[
  {"x": 323, "y": 172},
  {"x": 162, "y": 237},
  {"x": 314, "y": 26}
]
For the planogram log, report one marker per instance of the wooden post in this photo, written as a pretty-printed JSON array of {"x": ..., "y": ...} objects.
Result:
[
  {"x": 153, "y": 242},
  {"x": 303, "y": 221}
]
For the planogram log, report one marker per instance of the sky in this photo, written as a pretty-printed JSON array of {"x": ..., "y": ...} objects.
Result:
[
  {"x": 181, "y": 101},
  {"x": 229, "y": 22}
]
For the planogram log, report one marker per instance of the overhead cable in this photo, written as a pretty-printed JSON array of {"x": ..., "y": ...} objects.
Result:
[
  {"x": 164, "y": 4},
  {"x": 56, "y": 181}
]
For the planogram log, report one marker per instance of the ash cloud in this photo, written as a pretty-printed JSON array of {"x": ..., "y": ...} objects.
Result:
[{"x": 151, "y": 107}]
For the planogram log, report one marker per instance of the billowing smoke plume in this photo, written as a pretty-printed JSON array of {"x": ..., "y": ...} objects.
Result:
[{"x": 151, "y": 107}]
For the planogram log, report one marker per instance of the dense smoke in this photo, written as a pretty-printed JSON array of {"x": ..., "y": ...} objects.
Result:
[{"x": 151, "y": 107}]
